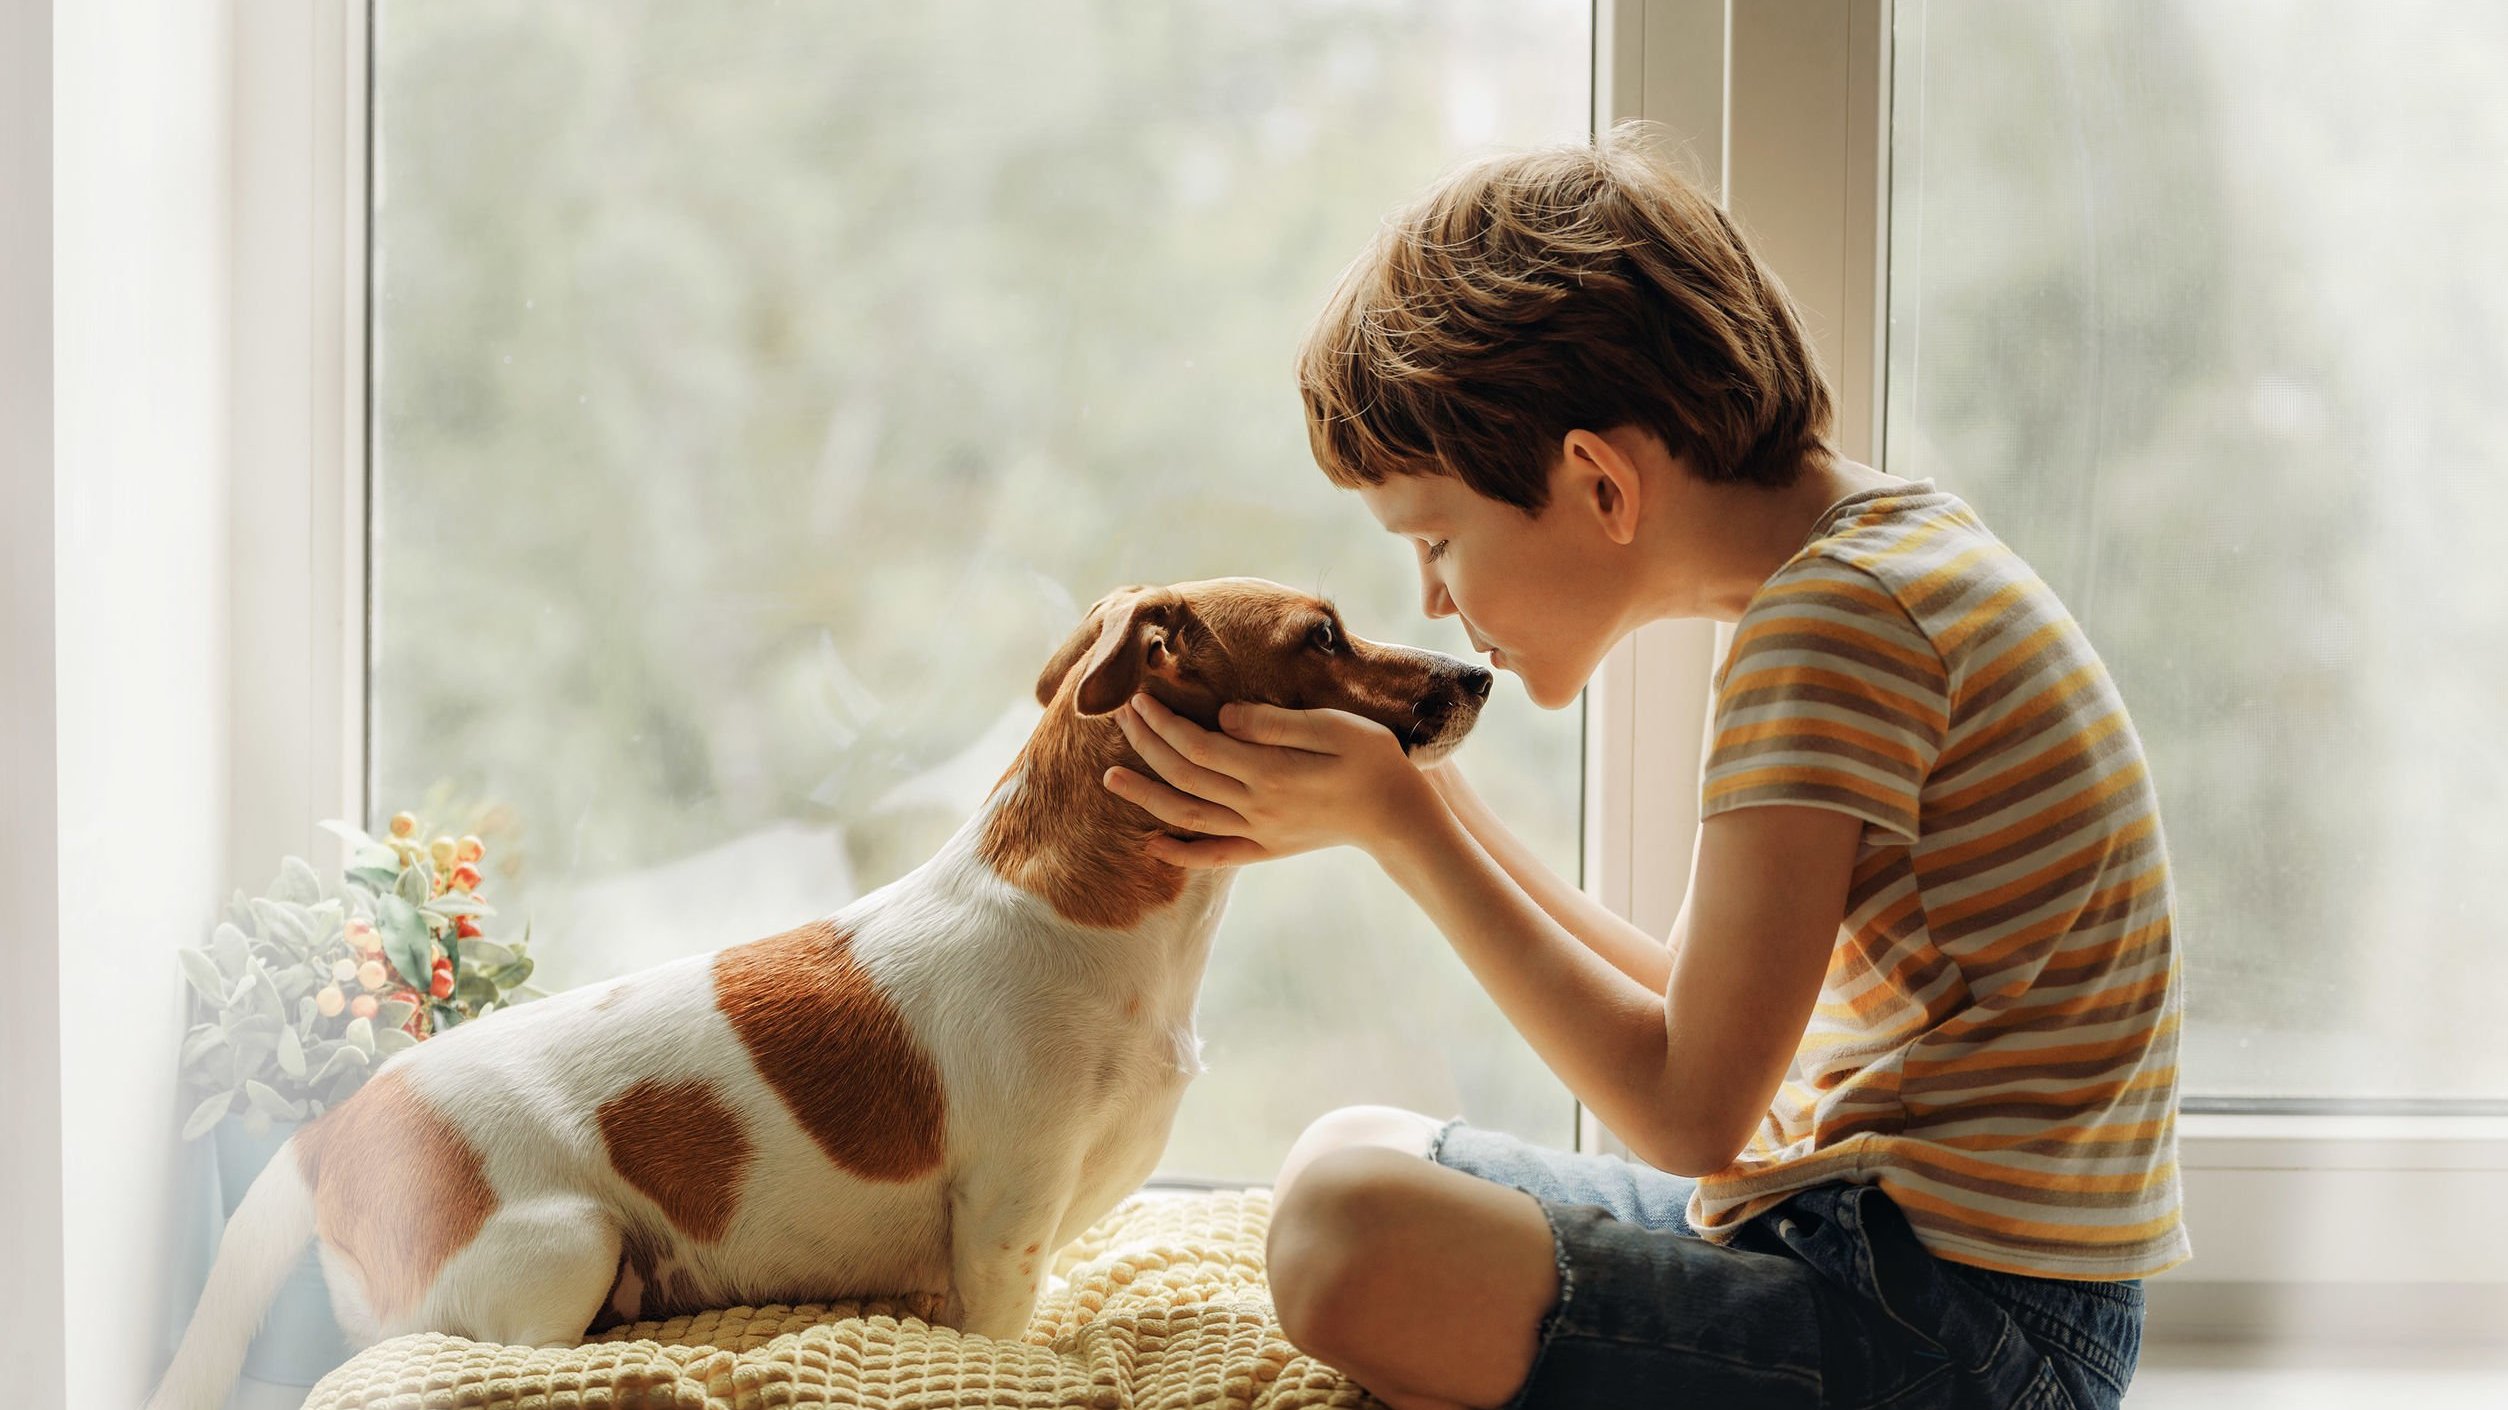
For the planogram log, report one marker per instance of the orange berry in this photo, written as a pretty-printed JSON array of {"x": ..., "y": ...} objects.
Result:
[
  {"x": 372, "y": 975},
  {"x": 467, "y": 926},
  {"x": 441, "y": 850},
  {"x": 470, "y": 848},
  {"x": 442, "y": 988},
  {"x": 329, "y": 1001},
  {"x": 465, "y": 876},
  {"x": 403, "y": 824},
  {"x": 363, "y": 1006},
  {"x": 343, "y": 969}
]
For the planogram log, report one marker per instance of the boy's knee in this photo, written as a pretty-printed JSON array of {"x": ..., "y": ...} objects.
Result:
[
  {"x": 1325, "y": 1244},
  {"x": 1344, "y": 1128}
]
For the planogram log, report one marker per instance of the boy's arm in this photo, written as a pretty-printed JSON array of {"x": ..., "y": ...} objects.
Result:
[
  {"x": 1684, "y": 1075},
  {"x": 1632, "y": 951}
]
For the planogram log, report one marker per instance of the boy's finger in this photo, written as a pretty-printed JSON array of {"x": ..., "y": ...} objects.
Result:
[
  {"x": 1173, "y": 767},
  {"x": 1257, "y": 723},
  {"x": 1175, "y": 809},
  {"x": 1208, "y": 748},
  {"x": 1217, "y": 852}
]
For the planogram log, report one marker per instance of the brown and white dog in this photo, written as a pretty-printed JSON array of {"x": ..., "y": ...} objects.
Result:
[{"x": 930, "y": 1091}]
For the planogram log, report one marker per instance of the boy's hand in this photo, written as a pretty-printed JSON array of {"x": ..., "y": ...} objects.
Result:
[{"x": 1274, "y": 783}]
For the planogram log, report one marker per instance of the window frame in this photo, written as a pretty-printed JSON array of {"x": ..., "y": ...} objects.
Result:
[{"x": 1783, "y": 109}]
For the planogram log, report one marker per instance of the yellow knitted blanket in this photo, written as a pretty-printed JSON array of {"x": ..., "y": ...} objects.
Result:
[{"x": 1165, "y": 1306}]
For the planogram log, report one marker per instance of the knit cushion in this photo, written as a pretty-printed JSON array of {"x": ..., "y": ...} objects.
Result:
[{"x": 1165, "y": 1306}]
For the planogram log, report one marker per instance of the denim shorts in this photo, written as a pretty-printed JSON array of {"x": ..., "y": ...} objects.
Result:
[{"x": 1826, "y": 1300}]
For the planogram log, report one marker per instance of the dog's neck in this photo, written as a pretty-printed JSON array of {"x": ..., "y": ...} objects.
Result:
[{"x": 1061, "y": 836}]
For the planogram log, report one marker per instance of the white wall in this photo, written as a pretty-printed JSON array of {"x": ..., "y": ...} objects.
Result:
[
  {"x": 141, "y": 242},
  {"x": 30, "y": 1054}
]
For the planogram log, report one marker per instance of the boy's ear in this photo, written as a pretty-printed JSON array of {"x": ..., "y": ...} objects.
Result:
[
  {"x": 1128, "y": 634},
  {"x": 1608, "y": 479}
]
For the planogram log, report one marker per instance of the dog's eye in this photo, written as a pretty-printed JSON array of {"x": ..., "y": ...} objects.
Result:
[{"x": 1322, "y": 638}]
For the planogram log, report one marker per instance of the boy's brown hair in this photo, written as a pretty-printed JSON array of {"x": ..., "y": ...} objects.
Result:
[{"x": 1531, "y": 294}]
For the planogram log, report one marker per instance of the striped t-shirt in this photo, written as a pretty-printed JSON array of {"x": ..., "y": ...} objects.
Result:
[{"x": 1995, "y": 1044}]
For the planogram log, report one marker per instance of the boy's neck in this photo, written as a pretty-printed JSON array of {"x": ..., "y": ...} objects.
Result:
[{"x": 1750, "y": 531}]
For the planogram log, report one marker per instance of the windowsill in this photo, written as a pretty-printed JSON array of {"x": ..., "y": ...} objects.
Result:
[{"x": 2271, "y": 1141}]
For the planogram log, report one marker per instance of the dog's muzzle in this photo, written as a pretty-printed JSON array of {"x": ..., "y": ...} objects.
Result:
[{"x": 1446, "y": 714}]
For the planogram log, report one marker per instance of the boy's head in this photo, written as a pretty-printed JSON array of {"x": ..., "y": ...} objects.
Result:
[{"x": 1539, "y": 314}]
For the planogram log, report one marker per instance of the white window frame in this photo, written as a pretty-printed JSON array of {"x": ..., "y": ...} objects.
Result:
[{"x": 2303, "y": 1225}]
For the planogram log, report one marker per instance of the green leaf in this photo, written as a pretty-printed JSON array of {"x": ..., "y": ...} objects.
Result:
[
  {"x": 265, "y": 1098},
  {"x": 267, "y": 999},
  {"x": 486, "y": 954},
  {"x": 513, "y": 975},
  {"x": 206, "y": 1115},
  {"x": 343, "y": 1058},
  {"x": 200, "y": 1041},
  {"x": 524, "y": 994},
  {"x": 229, "y": 948},
  {"x": 347, "y": 832},
  {"x": 474, "y": 989},
  {"x": 394, "y": 1013},
  {"x": 291, "y": 1054},
  {"x": 283, "y": 924},
  {"x": 375, "y": 879},
  {"x": 360, "y": 1035},
  {"x": 454, "y": 903},
  {"x": 405, "y": 939},
  {"x": 306, "y": 1013},
  {"x": 416, "y": 882},
  {"x": 375, "y": 854},
  {"x": 251, "y": 1050},
  {"x": 393, "y": 1040},
  {"x": 202, "y": 971},
  {"x": 446, "y": 1017},
  {"x": 296, "y": 883}
]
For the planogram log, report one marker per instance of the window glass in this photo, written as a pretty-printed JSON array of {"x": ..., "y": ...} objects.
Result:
[
  {"x": 762, "y": 390},
  {"x": 2201, "y": 304}
]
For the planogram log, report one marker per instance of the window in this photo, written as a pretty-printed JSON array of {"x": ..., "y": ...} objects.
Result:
[
  {"x": 760, "y": 391},
  {"x": 2188, "y": 299}
]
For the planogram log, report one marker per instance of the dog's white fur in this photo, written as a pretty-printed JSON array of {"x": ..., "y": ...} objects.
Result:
[{"x": 1063, "y": 1050}]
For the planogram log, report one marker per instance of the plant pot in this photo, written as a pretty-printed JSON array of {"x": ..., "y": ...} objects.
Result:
[{"x": 300, "y": 1340}]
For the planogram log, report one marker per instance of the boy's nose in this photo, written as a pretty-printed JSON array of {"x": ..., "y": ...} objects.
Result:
[{"x": 1433, "y": 600}]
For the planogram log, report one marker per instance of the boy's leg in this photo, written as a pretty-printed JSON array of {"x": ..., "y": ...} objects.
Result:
[
  {"x": 1425, "y": 1285},
  {"x": 1391, "y": 1127}
]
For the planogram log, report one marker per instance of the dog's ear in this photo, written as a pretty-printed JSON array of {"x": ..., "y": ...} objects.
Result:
[{"x": 1128, "y": 634}]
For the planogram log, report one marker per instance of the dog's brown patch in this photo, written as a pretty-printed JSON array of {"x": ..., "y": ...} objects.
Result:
[
  {"x": 398, "y": 1190},
  {"x": 1062, "y": 837},
  {"x": 835, "y": 1049},
  {"x": 683, "y": 1147}
]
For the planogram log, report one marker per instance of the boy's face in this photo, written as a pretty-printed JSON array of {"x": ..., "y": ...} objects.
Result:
[{"x": 1538, "y": 594}]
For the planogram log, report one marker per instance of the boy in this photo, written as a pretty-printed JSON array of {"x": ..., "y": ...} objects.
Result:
[{"x": 1903, "y": 1079}]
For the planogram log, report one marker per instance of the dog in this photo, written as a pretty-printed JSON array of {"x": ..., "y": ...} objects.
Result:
[{"x": 932, "y": 1090}]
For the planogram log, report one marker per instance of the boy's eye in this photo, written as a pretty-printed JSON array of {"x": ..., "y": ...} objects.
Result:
[{"x": 1437, "y": 550}]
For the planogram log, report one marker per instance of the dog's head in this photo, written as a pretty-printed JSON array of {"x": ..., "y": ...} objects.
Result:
[{"x": 1196, "y": 646}]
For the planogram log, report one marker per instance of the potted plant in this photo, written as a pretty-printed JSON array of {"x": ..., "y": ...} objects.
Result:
[{"x": 301, "y": 993}]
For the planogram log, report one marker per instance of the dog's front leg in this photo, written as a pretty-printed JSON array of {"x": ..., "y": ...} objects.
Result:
[{"x": 1002, "y": 1221}]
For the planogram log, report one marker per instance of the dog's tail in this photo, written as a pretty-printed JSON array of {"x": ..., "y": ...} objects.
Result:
[{"x": 259, "y": 1250}]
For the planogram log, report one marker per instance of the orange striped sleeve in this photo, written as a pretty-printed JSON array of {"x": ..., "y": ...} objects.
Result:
[{"x": 1832, "y": 697}]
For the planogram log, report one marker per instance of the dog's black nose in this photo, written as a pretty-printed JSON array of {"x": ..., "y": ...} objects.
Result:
[{"x": 1476, "y": 681}]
